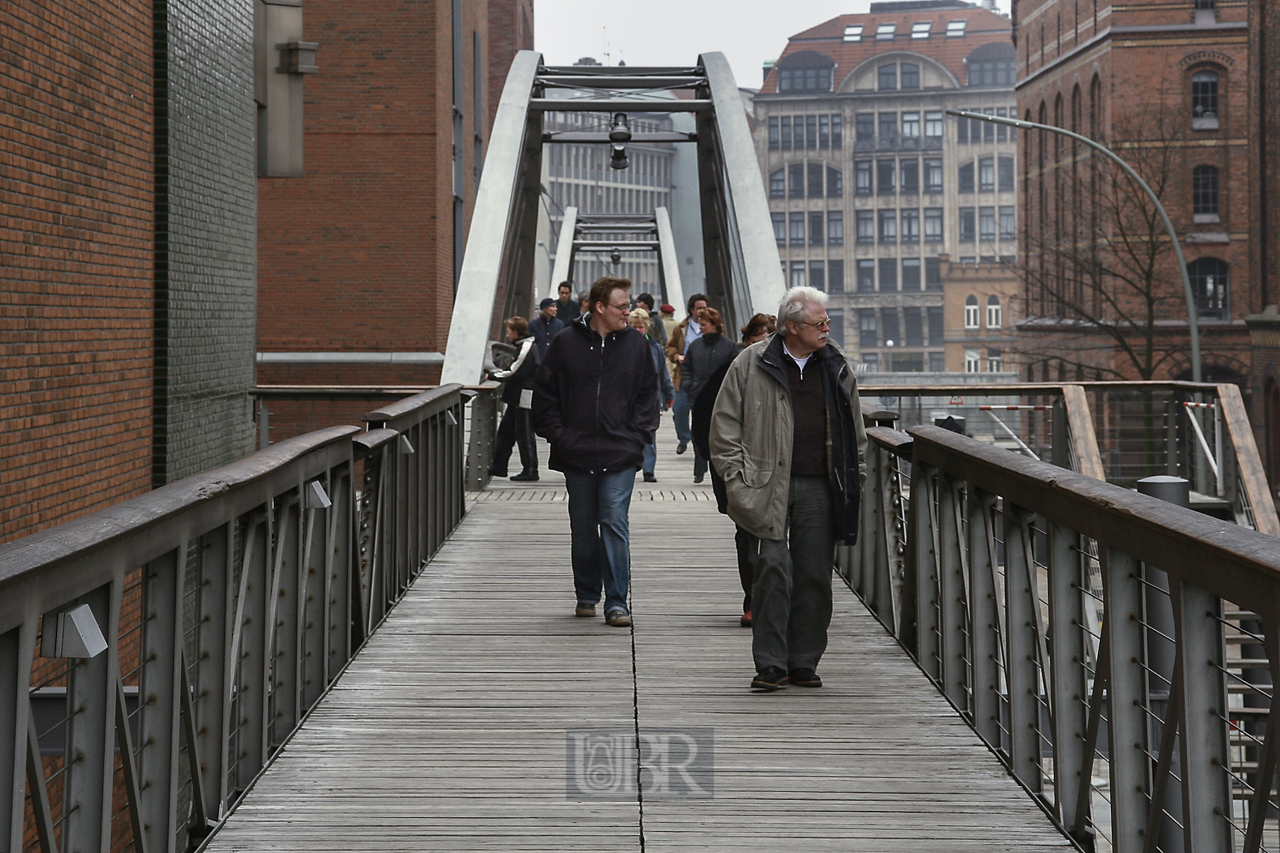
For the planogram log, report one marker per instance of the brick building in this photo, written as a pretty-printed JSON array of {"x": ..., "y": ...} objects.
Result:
[
  {"x": 1264, "y": 150},
  {"x": 126, "y": 224},
  {"x": 870, "y": 183},
  {"x": 1166, "y": 86},
  {"x": 358, "y": 254},
  {"x": 984, "y": 297}
]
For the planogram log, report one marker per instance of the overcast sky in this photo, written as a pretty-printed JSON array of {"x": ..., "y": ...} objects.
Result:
[{"x": 674, "y": 32}]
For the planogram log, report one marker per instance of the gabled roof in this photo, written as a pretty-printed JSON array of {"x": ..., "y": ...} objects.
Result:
[{"x": 982, "y": 26}]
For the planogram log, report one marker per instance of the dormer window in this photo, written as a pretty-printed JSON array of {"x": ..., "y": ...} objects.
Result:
[
  {"x": 955, "y": 29},
  {"x": 920, "y": 29},
  {"x": 886, "y": 31},
  {"x": 853, "y": 32}
]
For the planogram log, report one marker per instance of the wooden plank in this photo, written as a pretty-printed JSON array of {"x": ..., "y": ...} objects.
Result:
[{"x": 448, "y": 731}]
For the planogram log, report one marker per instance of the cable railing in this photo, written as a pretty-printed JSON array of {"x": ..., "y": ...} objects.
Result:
[
  {"x": 1115, "y": 431},
  {"x": 162, "y": 651},
  {"x": 1088, "y": 635}
]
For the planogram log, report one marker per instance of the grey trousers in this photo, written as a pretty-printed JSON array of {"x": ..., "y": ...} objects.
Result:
[{"x": 791, "y": 591}]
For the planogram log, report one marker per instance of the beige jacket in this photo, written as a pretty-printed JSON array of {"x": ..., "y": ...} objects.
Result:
[{"x": 752, "y": 429}]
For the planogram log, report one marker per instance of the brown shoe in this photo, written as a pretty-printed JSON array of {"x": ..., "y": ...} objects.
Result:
[{"x": 745, "y": 621}]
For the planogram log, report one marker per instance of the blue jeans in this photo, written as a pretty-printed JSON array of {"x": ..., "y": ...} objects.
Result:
[
  {"x": 651, "y": 453},
  {"x": 601, "y": 550},
  {"x": 681, "y": 410}
]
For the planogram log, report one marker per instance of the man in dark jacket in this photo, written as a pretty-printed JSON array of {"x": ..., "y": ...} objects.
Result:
[
  {"x": 787, "y": 436},
  {"x": 566, "y": 306},
  {"x": 596, "y": 400}
]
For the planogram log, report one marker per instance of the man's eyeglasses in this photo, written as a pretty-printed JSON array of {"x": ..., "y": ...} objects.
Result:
[
  {"x": 824, "y": 323},
  {"x": 626, "y": 306}
]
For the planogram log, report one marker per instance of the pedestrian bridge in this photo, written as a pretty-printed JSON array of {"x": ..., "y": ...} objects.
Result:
[
  {"x": 333, "y": 645},
  {"x": 351, "y": 641}
]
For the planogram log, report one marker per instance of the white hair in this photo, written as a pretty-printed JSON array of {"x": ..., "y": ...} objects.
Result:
[{"x": 794, "y": 304}]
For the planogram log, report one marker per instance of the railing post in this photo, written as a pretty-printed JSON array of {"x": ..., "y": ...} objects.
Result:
[
  {"x": 924, "y": 486},
  {"x": 1022, "y": 637},
  {"x": 952, "y": 592},
  {"x": 282, "y": 622},
  {"x": 342, "y": 573},
  {"x": 316, "y": 556},
  {"x": 160, "y": 698},
  {"x": 1206, "y": 787},
  {"x": 1068, "y": 679},
  {"x": 87, "y": 779},
  {"x": 213, "y": 671},
  {"x": 249, "y": 658},
  {"x": 1127, "y": 700},
  {"x": 984, "y": 618},
  {"x": 16, "y": 650},
  {"x": 484, "y": 427}
]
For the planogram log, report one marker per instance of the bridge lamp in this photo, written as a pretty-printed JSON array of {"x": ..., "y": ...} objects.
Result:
[
  {"x": 620, "y": 130},
  {"x": 615, "y": 256},
  {"x": 619, "y": 159}
]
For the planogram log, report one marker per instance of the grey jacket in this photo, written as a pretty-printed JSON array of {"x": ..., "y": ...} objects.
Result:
[{"x": 752, "y": 429}]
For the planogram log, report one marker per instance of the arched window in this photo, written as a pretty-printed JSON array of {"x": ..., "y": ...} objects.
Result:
[
  {"x": 971, "y": 312},
  {"x": 1204, "y": 100},
  {"x": 1211, "y": 283},
  {"x": 993, "y": 312},
  {"x": 1204, "y": 193},
  {"x": 777, "y": 184}
]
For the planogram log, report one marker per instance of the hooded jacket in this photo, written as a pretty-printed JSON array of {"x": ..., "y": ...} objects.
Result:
[
  {"x": 752, "y": 430},
  {"x": 596, "y": 399}
]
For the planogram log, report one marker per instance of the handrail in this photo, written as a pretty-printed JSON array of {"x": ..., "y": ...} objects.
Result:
[
  {"x": 1029, "y": 594},
  {"x": 230, "y": 601}
]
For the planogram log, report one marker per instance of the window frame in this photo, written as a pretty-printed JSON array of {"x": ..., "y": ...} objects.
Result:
[{"x": 971, "y": 313}]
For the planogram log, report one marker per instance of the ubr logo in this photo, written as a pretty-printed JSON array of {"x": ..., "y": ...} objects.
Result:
[{"x": 670, "y": 764}]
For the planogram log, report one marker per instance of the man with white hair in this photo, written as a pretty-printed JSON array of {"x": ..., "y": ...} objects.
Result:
[{"x": 788, "y": 439}]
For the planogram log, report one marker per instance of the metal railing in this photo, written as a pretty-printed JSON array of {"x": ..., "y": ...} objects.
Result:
[
  {"x": 159, "y": 653},
  {"x": 1137, "y": 710},
  {"x": 1117, "y": 431}
]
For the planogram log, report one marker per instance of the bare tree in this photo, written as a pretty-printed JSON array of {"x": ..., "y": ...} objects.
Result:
[{"x": 1102, "y": 292}]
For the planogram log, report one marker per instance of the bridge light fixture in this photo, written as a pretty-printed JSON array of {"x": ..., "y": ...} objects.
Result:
[
  {"x": 620, "y": 130},
  {"x": 615, "y": 256},
  {"x": 619, "y": 158}
]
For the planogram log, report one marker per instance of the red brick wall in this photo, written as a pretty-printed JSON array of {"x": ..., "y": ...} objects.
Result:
[
  {"x": 357, "y": 255},
  {"x": 1144, "y": 111},
  {"x": 510, "y": 31},
  {"x": 76, "y": 236}
]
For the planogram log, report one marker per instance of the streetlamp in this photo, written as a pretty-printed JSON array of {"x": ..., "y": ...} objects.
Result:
[{"x": 1193, "y": 321}]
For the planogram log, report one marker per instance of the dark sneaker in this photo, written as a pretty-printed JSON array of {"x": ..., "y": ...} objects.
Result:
[
  {"x": 618, "y": 619},
  {"x": 804, "y": 678},
  {"x": 649, "y": 478},
  {"x": 682, "y": 447},
  {"x": 769, "y": 678},
  {"x": 584, "y": 609},
  {"x": 525, "y": 477},
  {"x": 745, "y": 621}
]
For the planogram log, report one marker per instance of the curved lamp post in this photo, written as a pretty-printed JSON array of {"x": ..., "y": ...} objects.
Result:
[{"x": 1193, "y": 321}]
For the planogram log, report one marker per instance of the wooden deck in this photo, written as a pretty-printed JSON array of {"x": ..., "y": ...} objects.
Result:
[{"x": 452, "y": 729}]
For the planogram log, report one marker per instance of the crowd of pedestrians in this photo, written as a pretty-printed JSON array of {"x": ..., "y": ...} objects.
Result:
[{"x": 773, "y": 418}]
